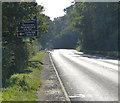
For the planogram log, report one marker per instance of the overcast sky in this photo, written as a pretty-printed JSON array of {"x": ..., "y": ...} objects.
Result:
[{"x": 54, "y": 8}]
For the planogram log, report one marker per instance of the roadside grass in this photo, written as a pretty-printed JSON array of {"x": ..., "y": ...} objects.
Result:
[
  {"x": 0, "y": 96},
  {"x": 78, "y": 48},
  {"x": 38, "y": 57},
  {"x": 23, "y": 86},
  {"x": 105, "y": 53}
]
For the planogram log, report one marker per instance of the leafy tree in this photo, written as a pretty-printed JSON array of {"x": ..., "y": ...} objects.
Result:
[
  {"x": 94, "y": 22},
  {"x": 15, "y": 52},
  {"x": 90, "y": 25}
]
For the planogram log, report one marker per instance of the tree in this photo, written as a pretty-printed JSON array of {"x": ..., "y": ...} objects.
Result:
[
  {"x": 94, "y": 22},
  {"x": 15, "y": 52}
]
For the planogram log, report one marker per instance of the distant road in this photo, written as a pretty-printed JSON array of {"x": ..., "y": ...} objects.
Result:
[{"x": 87, "y": 77}]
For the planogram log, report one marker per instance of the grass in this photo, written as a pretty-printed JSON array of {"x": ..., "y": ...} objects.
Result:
[
  {"x": 23, "y": 86},
  {"x": 105, "y": 53},
  {"x": 38, "y": 57},
  {"x": 0, "y": 96},
  {"x": 78, "y": 48}
]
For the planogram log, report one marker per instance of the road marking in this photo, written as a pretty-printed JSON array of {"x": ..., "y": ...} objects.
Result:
[
  {"x": 77, "y": 96},
  {"x": 80, "y": 95},
  {"x": 63, "y": 89}
]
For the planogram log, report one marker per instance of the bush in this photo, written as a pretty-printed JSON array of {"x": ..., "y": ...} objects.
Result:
[{"x": 23, "y": 86}]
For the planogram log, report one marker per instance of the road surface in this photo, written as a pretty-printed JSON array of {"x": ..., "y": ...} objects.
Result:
[{"x": 87, "y": 77}]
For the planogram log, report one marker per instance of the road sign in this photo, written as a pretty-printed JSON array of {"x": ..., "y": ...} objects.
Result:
[
  {"x": 28, "y": 29},
  {"x": 27, "y": 33}
]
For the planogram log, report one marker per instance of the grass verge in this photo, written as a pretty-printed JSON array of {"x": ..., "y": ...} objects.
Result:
[
  {"x": 23, "y": 86},
  {"x": 0, "y": 96},
  {"x": 104, "y": 53}
]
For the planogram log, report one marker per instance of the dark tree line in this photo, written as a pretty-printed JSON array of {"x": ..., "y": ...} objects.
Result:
[{"x": 97, "y": 24}]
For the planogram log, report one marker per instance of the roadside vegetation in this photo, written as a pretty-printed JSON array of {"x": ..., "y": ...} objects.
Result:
[
  {"x": 22, "y": 86},
  {"x": 0, "y": 96},
  {"x": 88, "y": 27},
  {"x": 115, "y": 54},
  {"x": 21, "y": 61}
]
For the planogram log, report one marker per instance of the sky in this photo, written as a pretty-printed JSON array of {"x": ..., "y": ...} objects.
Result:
[{"x": 54, "y": 8}]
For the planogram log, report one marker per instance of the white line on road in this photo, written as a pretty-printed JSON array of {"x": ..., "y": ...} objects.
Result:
[{"x": 63, "y": 89}]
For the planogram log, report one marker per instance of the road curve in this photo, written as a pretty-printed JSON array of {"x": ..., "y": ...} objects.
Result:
[{"x": 87, "y": 77}]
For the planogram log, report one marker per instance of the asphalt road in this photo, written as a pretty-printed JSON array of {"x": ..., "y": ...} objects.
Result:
[{"x": 87, "y": 77}]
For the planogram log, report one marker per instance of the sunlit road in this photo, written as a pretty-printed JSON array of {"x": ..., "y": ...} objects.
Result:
[{"x": 86, "y": 77}]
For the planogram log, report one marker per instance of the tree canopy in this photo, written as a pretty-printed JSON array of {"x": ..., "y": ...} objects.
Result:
[{"x": 89, "y": 25}]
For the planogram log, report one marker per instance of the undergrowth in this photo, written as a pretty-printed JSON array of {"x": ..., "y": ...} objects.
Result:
[
  {"x": 105, "y": 53},
  {"x": 23, "y": 86}
]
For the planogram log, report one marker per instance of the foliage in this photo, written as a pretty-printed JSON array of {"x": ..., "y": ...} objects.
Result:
[
  {"x": 15, "y": 52},
  {"x": 97, "y": 25},
  {"x": 60, "y": 33},
  {"x": 49, "y": 35},
  {"x": 23, "y": 86},
  {"x": 89, "y": 26},
  {"x": 38, "y": 57},
  {"x": 0, "y": 96},
  {"x": 78, "y": 48}
]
